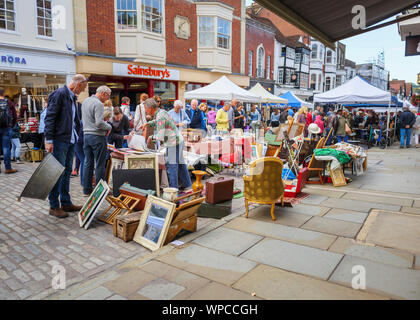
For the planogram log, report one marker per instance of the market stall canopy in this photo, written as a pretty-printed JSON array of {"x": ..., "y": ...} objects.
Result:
[
  {"x": 294, "y": 101},
  {"x": 354, "y": 91},
  {"x": 222, "y": 89},
  {"x": 331, "y": 20},
  {"x": 266, "y": 97}
]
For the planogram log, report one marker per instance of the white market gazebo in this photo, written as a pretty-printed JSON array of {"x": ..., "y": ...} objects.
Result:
[
  {"x": 222, "y": 89},
  {"x": 266, "y": 97}
]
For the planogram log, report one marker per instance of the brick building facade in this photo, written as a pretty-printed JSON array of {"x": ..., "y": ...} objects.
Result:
[{"x": 196, "y": 41}]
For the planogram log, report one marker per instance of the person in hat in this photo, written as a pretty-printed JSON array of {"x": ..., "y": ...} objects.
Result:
[{"x": 313, "y": 129}]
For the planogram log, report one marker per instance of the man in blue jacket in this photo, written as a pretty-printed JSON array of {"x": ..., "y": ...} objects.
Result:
[
  {"x": 197, "y": 117},
  {"x": 407, "y": 119},
  {"x": 62, "y": 123}
]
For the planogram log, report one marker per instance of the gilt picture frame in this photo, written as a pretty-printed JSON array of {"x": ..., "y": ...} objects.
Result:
[
  {"x": 154, "y": 223},
  {"x": 144, "y": 161}
]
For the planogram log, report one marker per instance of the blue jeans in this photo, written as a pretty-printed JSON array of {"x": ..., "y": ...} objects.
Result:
[
  {"x": 95, "y": 156},
  {"x": 64, "y": 153},
  {"x": 5, "y": 136},
  {"x": 78, "y": 149},
  {"x": 327, "y": 131},
  {"x": 341, "y": 138},
  {"x": 176, "y": 167},
  {"x": 405, "y": 136},
  {"x": 16, "y": 148}
]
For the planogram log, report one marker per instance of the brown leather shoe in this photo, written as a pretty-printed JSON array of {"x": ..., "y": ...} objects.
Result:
[
  {"x": 59, "y": 213},
  {"x": 9, "y": 171},
  {"x": 71, "y": 208}
]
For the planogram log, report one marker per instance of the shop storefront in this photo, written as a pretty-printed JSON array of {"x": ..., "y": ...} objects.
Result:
[
  {"x": 132, "y": 79},
  {"x": 36, "y": 72}
]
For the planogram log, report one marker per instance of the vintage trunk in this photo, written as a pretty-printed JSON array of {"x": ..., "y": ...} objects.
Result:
[
  {"x": 125, "y": 226},
  {"x": 219, "y": 190}
]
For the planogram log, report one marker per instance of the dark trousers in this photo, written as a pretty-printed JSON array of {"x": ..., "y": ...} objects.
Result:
[
  {"x": 327, "y": 131},
  {"x": 95, "y": 148},
  {"x": 64, "y": 153},
  {"x": 80, "y": 156},
  {"x": 5, "y": 137},
  {"x": 176, "y": 167}
]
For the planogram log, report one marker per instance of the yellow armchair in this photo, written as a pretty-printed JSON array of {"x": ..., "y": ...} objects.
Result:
[{"x": 264, "y": 185}]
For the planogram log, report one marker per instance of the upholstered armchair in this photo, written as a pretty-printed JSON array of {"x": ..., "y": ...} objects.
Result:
[{"x": 264, "y": 185}]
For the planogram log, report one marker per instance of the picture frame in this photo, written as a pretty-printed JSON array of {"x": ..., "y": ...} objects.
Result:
[
  {"x": 154, "y": 223},
  {"x": 337, "y": 177},
  {"x": 295, "y": 130},
  {"x": 144, "y": 161},
  {"x": 282, "y": 128},
  {"x": 93, "y": 203}
]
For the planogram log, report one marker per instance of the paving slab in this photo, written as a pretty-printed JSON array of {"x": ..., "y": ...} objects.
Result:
[
  {"x": 417, "y": 262},
  {"x": 395, "y": 230},
  {"x": 304, "y": 209},
  {"x": 217, "y": 291},
  {"x": 333, "y": 226},
  {"x": 228, "y": 240},
  {"x": 323, "y": 192},
  {"x": 208, "y": 263},
  {"x": 412, "y": 210},
  {"x": 287, "y": 218},
  {"x": 382, "y": 279},
  {"x": 293, "y": 257},
  {"x": 160, "y": 289},
  {"x": 189, "y": 281},
  {"x": 99, "y": 293},
  {"x": 268, "y": 229},
  {"x": 389, "y": 256},
  {"x": 416, "y": 204},
  {"x": 129, "y": 282},
  {"x": 314, "y": 199},
  {"x": 362, "y": 206},
  {"x": 276, "y": 284},
  {"x": 378, "y": 199},
  {"x": 347, "y": 215}
]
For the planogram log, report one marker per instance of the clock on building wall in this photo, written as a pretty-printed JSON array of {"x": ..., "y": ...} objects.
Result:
[
  {"x": 294, "y": 77},
  {"x": 182, "y": 27}
]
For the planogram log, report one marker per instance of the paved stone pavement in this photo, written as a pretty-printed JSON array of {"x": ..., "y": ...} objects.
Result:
[{"x": 309, "y": 252}]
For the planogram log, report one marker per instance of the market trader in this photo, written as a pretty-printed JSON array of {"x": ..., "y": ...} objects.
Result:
[
  {"x": 165, "y": 130},
  {"x": 61, "y": 127},
  {"x": 197, "y": 117}
]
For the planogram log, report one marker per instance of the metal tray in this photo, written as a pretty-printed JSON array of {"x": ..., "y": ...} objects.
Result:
[{"x": 43, "y": 179}]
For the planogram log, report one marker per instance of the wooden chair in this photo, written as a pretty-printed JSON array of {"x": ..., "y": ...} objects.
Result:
[
  {"x": 264, "y": 184},
  {"x": 316, "y": 167}
]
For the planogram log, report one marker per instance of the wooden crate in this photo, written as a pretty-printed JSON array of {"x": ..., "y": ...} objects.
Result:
[{"x": 125, "y": 226}]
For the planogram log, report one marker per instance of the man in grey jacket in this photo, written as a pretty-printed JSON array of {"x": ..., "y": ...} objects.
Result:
[{"x": 95, "y": 130}]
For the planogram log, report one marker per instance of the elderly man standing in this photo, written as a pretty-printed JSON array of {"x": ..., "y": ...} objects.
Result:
[
  {"x": 168, "y": 135},
  {"x": 61, "y": 126},
  {"x": 179, "y": 115},
  {"x": 198, "y": 120},
  {"x": 95, "y": 130},
  {"x": 222, "y": 118},
  {"x": 231, "y": 113}
]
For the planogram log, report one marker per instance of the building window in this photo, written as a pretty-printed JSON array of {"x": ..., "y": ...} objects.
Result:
[
  {"x": 319, "y": 82},
  {"x": 268, "y": 66},
  {"x": 329, "y": 56},
  {"x": 223, "y": 33},
  {"x": 206, "y": 32},
  {"x": 321, "y": 53},
  {"x": 281, "y": 76},
  {"x": 290, "y": 53},
  {"x": 151, "y": 15},
  {"x": 44, "y": 18},
  {"x": 305, "y": 59},
  {"x": 8, "y": 15},
  {"x": 283, "y": 52},
  {"x": 127, "y": 14},
  {"x": 314, "y": 51},
  {"x": 304, "y": 79},
  {"x": 297, "y": 57},
  {"x": 313, "y": 81},
  {"x": 288, "y": 76},
  {"x": 327, "y": 83},
  {"x": 250, "y": 63},
  {"x": 260, "y": 62}
]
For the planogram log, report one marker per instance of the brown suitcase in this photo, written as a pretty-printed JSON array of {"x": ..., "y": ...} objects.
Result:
[{"x": 219, "y": 190}]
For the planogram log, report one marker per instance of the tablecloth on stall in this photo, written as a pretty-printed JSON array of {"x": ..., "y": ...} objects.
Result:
[
  {"x": 226, "y": 146},
  {"x": 337, "y": 157}
]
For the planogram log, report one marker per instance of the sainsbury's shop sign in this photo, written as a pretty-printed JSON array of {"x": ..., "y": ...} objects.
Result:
[{"x": 139, "y": 71}]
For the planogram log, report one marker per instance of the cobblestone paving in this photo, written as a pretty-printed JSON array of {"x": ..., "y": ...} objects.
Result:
[{"x": 32, "y": 241}]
